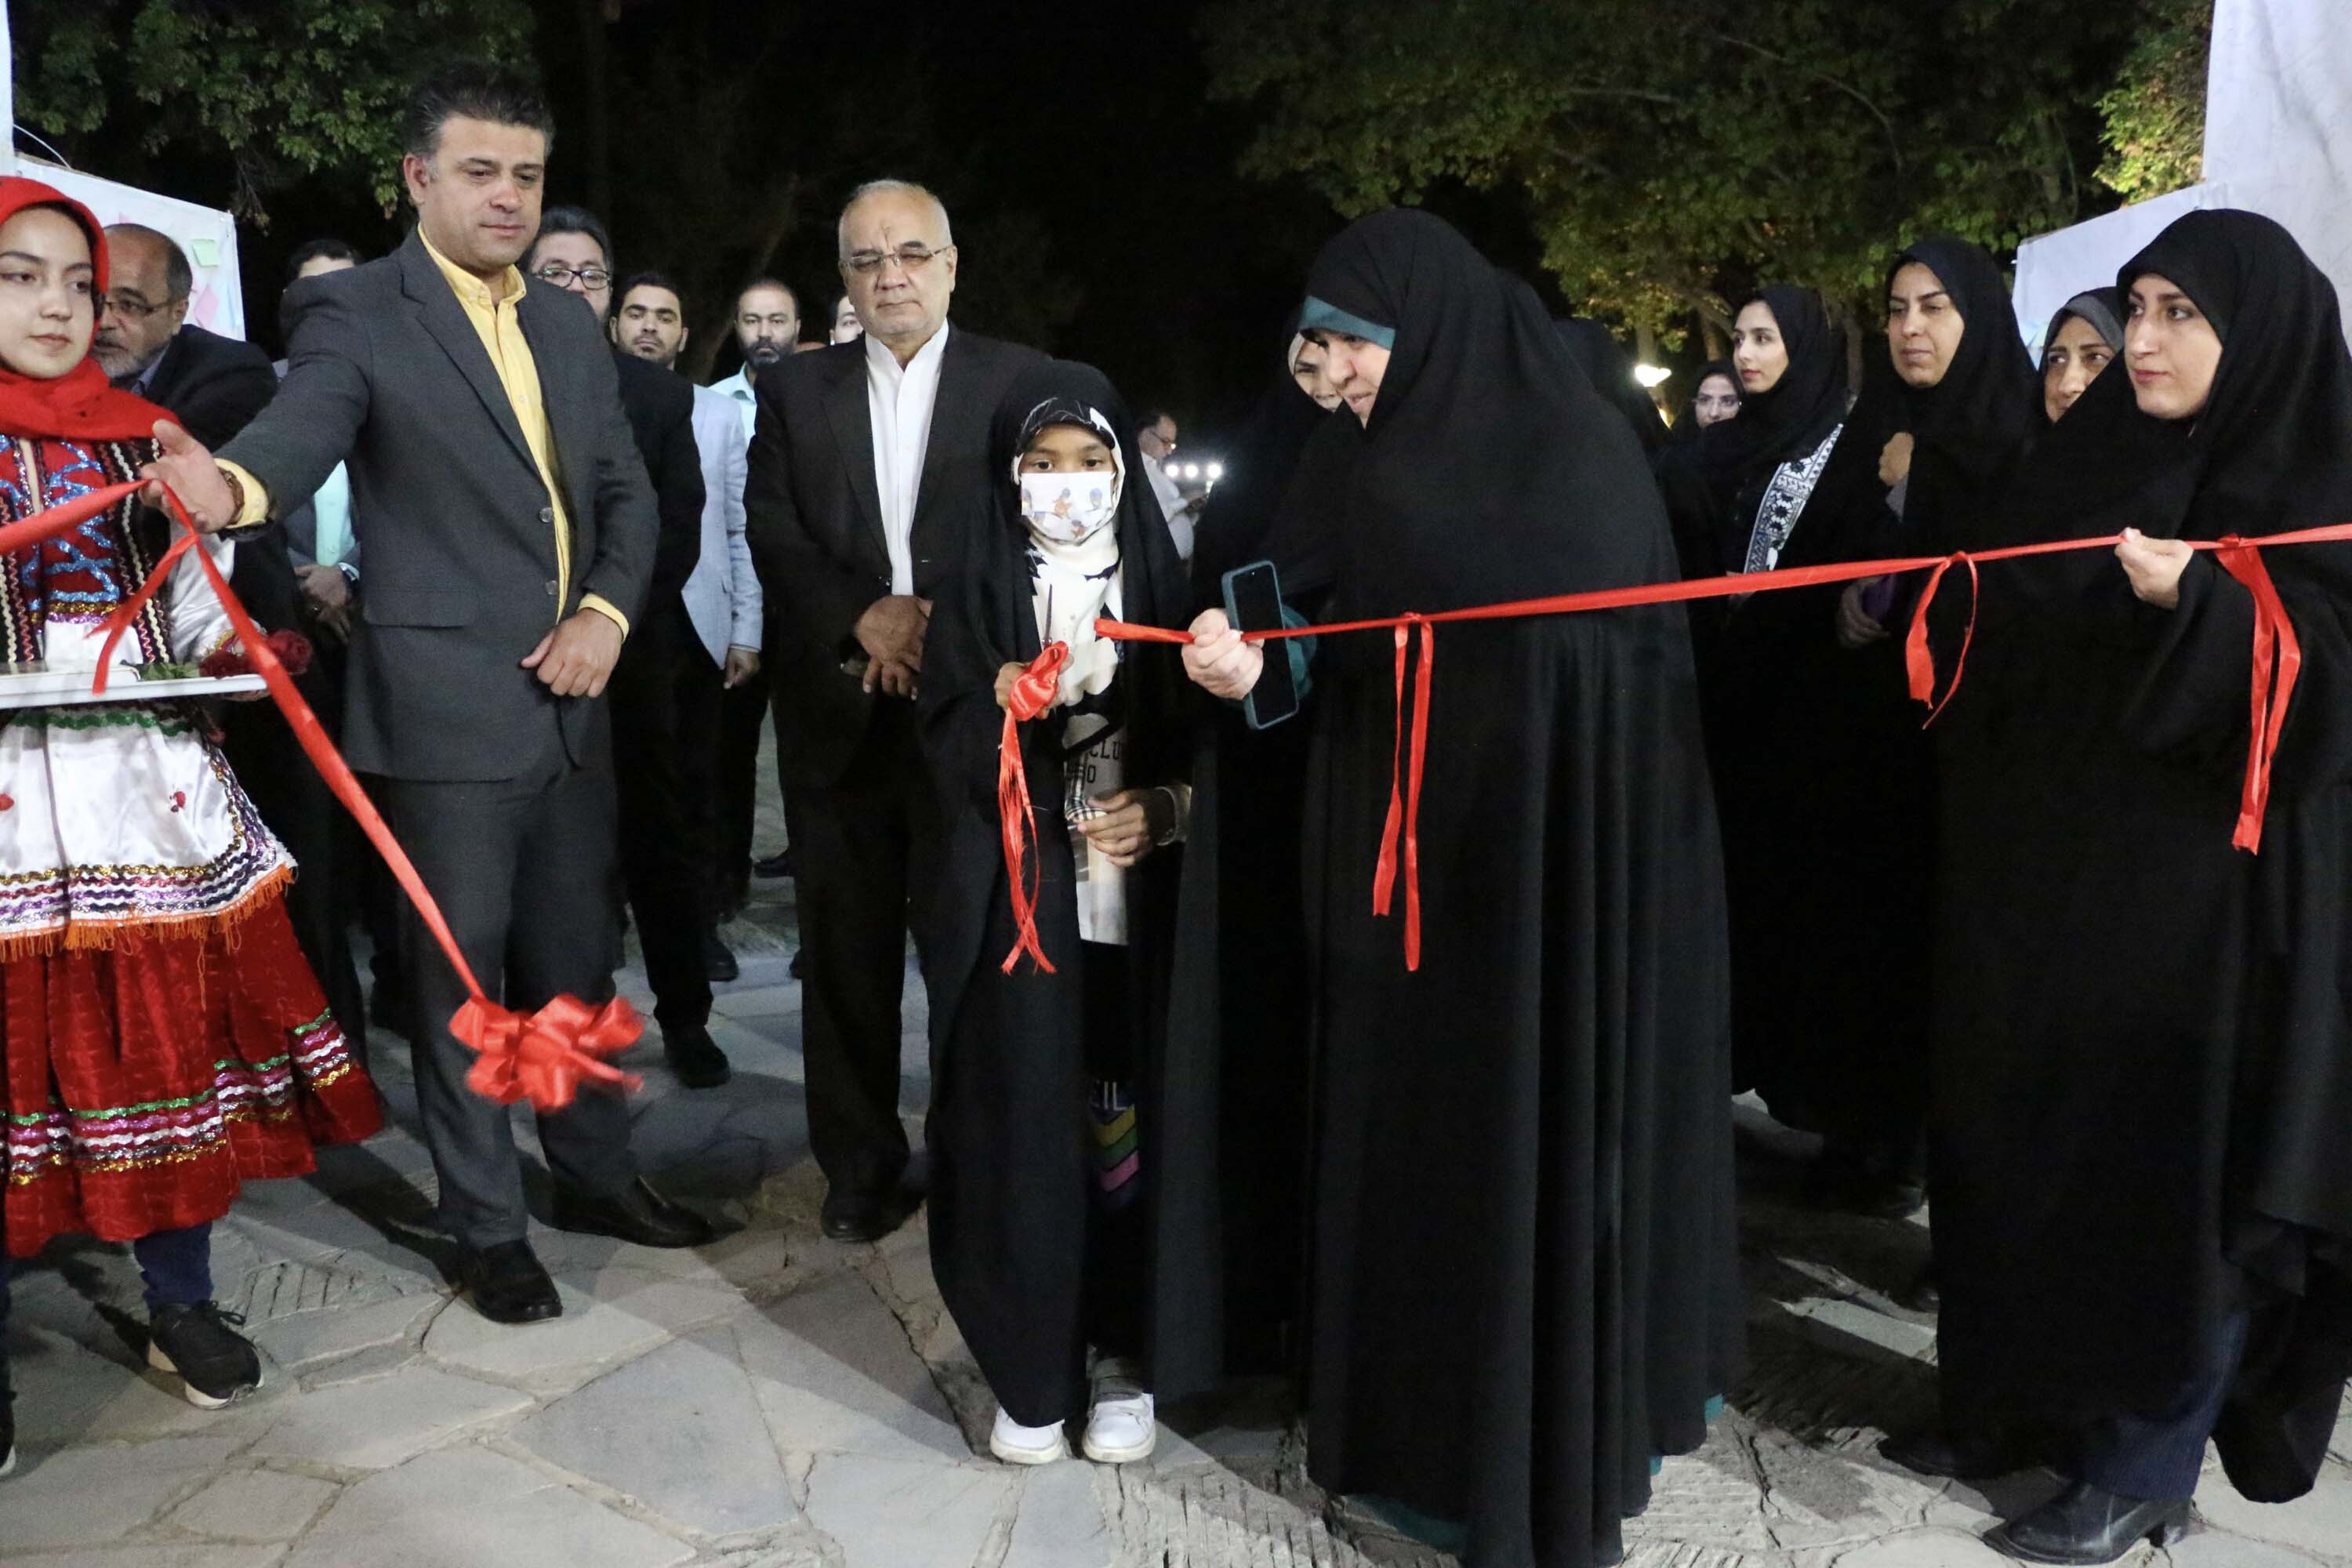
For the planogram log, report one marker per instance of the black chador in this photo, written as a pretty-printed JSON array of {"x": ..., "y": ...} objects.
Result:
[
  {"x": 1524, "y": 1281},
  {"x": 2143, "y": 1207}
]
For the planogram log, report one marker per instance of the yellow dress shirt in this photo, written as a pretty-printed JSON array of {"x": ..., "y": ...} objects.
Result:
[{"x": 495, "y": 320}]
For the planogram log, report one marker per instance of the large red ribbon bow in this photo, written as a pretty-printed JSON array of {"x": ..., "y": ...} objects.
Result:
[
  {"x": 544, "y": 1056},
  {"x": 2277, "y": 658},
  {"x": 1034, "y": 693}
]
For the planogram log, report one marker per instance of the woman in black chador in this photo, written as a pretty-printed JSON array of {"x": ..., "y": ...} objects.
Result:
[
  {"x": 2143, "y": 1063},
  {"x": 1046, "y": 1124},
  {"x": 1831, "y": 955},
  {"x": 1524, "y": 1275}
]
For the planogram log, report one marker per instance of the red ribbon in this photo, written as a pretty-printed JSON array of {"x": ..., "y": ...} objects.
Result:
[
  {"x": 1034, "y": 693},
  {"x": 545, "y": 1056},
  {"x": 2275, "y": 647},
  {"x": 1404, "y": 791},
  {"x": 2277, "y": 658}
]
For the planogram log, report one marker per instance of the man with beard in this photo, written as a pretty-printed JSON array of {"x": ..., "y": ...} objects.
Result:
[
  {"x": 722, "y": 596},
  {"x": 767, "y": 325}
]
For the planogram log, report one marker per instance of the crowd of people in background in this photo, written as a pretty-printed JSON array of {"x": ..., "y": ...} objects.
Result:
[{"x": 1230, "y": 1075}]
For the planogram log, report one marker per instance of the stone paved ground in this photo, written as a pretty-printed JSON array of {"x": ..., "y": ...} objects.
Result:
[{"x": 777, "y": 1401}]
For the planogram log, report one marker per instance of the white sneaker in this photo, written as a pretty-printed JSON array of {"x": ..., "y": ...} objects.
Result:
[
  {"x": 1018, "y": 1445},
  {"x": 1121, "y": 1427}
]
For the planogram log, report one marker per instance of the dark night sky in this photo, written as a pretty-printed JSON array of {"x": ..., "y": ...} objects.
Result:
[{"x": 1095, "y": 123}]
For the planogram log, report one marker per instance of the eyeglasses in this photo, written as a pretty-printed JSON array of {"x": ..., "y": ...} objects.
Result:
[
  {"x": 555, "y": 272},
  {"x": 911, "y": 259},
  {"x": 132, "y": 308}
]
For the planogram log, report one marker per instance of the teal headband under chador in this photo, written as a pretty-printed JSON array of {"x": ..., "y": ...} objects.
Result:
[{"x": 1324, "y": 315}]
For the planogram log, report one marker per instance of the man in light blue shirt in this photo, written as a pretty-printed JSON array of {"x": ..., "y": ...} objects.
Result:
[
  {"x": 723, "y": 595},
  {"x": 767, "y": 325},
  {"x": 767, "y": 330}
]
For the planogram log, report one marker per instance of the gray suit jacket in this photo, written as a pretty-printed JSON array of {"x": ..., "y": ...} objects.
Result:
[{"x": 386, "y": 374}]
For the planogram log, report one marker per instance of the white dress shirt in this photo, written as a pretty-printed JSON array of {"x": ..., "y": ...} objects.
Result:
[
  {"x": 722, "y": 597},
  {"x": 738, "y": 388},
  {"x": 899, "y": 399}
]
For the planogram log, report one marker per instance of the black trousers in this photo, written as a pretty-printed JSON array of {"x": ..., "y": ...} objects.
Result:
[
  {"x": 866, "y": 849},
  {"x": 665, "y": 696},
  {"x": 743, "y": 713},
  {"x": 285, "y": 788},
  {"x": 522, "y": 867}
]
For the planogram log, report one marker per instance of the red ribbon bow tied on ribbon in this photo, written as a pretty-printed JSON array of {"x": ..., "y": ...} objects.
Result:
[
  {"x": 2276, "y": 650},
  {"x": 1404, "y": 790},
  {"x": 1035, "y": 692},
  {"x": 545, "y": 1056}
]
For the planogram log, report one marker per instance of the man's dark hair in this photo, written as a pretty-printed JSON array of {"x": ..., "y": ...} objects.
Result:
[
  {"x": 646, "y": 279},
  {"x": 1151, "y": 418},
  {"x": 573, "y": 220},
  {"x": 327, "y": 249},
  {"x": 478, "y": 90},
  {"x": 790, "y": 292},
  {"x": 179, "y": 278}
]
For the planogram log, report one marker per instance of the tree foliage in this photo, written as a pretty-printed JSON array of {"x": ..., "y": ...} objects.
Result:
[
  {"x": 2156, "y": 112},
  {"x": 1670, "y": 152},
  {"x": 290, "y": 89}
]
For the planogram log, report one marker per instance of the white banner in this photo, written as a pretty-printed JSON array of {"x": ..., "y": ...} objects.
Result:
[
  {"x": 207, "y": 235},
  {"x": 2278, "y": 140}
]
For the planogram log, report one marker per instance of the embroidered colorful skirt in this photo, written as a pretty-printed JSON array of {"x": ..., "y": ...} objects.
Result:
[{"x": 144, "y": 1081}]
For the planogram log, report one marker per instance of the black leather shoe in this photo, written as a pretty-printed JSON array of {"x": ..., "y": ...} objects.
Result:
[
  {"x": 2084, "y": 1524},
  {"x": 769, "y": 867},
  {"x": 637, "y": 1214},
  {"x": 1933, "y": 1452},
  {"x": 857, "y": 1216},
  {"x": 695, "y": 1058},
  {"x": 719, "y": 961},
  {"x": 510, "y": 1286}
]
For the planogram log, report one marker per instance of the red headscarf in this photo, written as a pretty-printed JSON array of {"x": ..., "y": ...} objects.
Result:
[{"x": 79, "y": 404}]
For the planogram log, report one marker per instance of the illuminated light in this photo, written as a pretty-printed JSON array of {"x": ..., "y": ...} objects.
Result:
[
  {"x": 1650, "y": 374},
  {"x": 1191, "y": 470},
  {"x": 1216, "y": 471}
]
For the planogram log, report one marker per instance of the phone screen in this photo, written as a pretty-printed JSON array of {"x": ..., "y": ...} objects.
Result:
[{"x": 1254, "y": 604}]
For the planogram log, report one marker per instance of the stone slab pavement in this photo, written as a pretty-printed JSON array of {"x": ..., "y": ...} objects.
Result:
[{"x": 778, "y": 1400}]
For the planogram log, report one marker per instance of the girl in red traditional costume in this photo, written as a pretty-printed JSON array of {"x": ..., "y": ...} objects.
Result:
[{"x": 162, "y": 1039}]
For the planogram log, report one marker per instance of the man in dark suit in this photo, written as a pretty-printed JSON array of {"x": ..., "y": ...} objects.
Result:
[
  {"x": 667, "y": 882},
  {"x": 867, "y": 461},
  {"x": 213, "y": 386},
  {"x": 510, "y": 533}
]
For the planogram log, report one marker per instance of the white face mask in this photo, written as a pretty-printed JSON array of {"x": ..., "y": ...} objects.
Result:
[{"x": 1069, "y": 509}]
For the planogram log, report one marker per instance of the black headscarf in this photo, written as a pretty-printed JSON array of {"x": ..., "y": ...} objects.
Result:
[
  {"x": 1984, "y": 408},
  {"x": 1242, "y": 513},
  {"x": 1968, "y": 429},
  {"x": 1686, "y": 424},
  {"x": 2101, "y": 309},
  {"x": 1490, "y": 470},
  {"x": 1790, "y": 419},
  {"x": 1602, "y": 358}
]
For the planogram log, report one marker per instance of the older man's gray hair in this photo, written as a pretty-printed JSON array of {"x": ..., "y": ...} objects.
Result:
[{"x": 891, "y": 188}]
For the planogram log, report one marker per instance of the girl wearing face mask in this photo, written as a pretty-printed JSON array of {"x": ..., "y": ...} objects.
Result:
[
  {"x": 164, "y": 1040},
  {"x": 1045, "y": 1125},
  {"x": 2143, "y": 1201},
  {"x": 2083, "y": 339}
]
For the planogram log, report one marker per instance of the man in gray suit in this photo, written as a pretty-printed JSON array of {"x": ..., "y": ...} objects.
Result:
[{"x": 510, "y": 533}]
